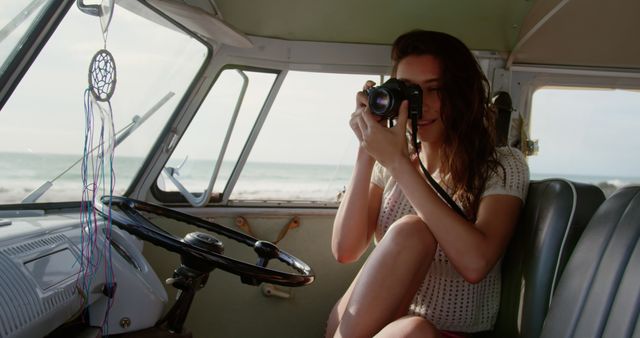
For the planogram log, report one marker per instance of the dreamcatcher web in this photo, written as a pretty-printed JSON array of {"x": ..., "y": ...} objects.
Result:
[{"x": 102, "y": 75}]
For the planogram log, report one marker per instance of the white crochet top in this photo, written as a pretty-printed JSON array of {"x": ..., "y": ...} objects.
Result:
[{"x": 445, "y": 298}]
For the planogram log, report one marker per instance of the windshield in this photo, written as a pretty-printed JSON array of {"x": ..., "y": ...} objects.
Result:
[{"x": 42, "y": 124}]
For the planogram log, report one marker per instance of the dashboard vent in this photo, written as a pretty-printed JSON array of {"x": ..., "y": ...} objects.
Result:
[
  {"x": 21, "y": 303},
  {"x": 37, "y": 244}
]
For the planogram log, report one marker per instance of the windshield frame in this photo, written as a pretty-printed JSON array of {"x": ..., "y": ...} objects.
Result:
[{"x": 41, "y": 30}]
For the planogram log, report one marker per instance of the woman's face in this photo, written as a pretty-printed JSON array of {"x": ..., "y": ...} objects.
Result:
[{"x": 424, "y": 70}]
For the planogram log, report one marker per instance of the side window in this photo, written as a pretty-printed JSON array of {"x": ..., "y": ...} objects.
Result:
[
  {"x": 215, "y": 134},
  {"x": 304, "y": 151},
  {"x": 587, "y": 135}
]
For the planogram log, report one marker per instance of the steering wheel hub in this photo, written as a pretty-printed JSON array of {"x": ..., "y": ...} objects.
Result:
[{"x": 204, "y": 241}]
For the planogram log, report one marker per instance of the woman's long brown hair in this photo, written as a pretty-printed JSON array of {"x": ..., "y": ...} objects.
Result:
[{"x": 468, "y": 150}]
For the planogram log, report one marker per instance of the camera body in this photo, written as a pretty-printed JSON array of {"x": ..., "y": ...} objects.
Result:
[{"x": 384, "y": 100}]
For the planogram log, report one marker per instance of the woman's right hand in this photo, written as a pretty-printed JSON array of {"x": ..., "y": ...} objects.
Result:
[
  {"x": 355, "y": 221},
  {"x": 362, "y": 105}
]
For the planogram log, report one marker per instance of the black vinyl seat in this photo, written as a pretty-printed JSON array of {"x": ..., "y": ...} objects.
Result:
[
  {"x": 504, "y": 108},
  {"x": 555, "y": 213},
  {"x": 598, "y": 294}
]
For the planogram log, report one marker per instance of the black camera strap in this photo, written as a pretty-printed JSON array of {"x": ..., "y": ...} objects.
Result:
[{"x": 439, "y": 190}]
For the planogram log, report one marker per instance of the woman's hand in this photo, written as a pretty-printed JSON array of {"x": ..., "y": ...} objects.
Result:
[
  {"x": 362, "y": 104},
  {"x": 387, "y": 145},
  {"x": 357, "y": 216}
]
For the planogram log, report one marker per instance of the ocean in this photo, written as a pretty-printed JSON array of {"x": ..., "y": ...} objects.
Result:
[{"x": 22, "y": 173}]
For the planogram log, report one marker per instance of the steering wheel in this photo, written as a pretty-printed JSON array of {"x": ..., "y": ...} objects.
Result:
[{"x": 202, "y": 249}]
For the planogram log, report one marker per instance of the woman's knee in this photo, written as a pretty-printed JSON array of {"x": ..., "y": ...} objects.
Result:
[
  {"x": 411, "y": 229},
  {"x": 408, "y": 327}
]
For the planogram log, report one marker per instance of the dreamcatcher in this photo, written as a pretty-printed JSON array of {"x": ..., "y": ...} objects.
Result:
[{"x": 97, "y": 173}]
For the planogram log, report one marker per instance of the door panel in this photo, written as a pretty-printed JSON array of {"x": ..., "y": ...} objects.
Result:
[{"x": 227, "y": 308}]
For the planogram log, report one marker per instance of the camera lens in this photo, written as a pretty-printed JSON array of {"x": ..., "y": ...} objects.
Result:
[
  {"x": 380, "y": 101},
  {"x": 385, "y": 100}
]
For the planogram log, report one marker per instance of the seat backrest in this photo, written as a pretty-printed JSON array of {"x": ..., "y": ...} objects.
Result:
[
  {"x": 598, "y": 294},
  {"x": 504, "y": 107},
  {"x": 555, "y": 213}
]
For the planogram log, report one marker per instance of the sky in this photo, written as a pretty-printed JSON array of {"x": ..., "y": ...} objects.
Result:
[
  {"x": 149, "y": 68},
  {"x": 581, "y": 132},
  {"x": 151, "y": 61}
]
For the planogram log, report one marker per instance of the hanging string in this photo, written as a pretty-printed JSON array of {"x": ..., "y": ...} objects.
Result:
[
  {"x": 97, "y": 174},
  {"x": 106, "y": 13},
  {"x": 98, "y": 179},
  {"x": 107, "y": 176}
]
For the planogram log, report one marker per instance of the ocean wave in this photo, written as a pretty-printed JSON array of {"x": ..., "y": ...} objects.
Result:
[
  {"x": 58, "y": 193},
  {"x": 290, "y": 195},
  {"x": 292, "y": 192}
]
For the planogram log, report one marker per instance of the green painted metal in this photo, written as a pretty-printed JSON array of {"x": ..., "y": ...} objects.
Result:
[{"x": 482, "y": 24}]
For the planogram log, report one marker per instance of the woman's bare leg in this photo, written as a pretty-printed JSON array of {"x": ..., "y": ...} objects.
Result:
[
  {"x": 409, "y": 327},
  {"x": 336, "y": 313},
  {"x": 389, "y": 279}
]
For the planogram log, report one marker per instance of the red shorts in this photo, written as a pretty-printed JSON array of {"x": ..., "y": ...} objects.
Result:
[{"x": 449, "y": 334}]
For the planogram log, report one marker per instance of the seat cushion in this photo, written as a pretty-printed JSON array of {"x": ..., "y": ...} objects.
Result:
[
  {"x": 555, "y": 213},
  {"x": 598, "y": 294}
]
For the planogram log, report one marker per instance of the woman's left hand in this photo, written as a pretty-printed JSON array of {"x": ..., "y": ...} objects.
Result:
[{"x": 387, "y": 145}]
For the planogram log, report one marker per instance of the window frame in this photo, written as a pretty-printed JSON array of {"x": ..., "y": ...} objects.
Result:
[
  {"x": 222, "y": 198},
  {"x": 527, "y": 80},
  {"x": 297, "y": 58}
]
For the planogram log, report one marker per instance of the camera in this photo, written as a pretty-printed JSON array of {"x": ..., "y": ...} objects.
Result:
[{"x": 385, "y": 99}]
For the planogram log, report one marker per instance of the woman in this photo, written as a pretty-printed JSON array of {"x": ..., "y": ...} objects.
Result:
[{"x": 433, "y": 273}]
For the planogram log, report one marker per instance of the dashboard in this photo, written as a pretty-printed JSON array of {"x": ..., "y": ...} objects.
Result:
[{"x": 45, "y": 284}]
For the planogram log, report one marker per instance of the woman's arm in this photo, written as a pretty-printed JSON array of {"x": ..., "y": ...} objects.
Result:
[
  {"x": 356, "y": 218},
  {"x": 358, "y": 212},
  {"x": 472, "y": 248}
]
